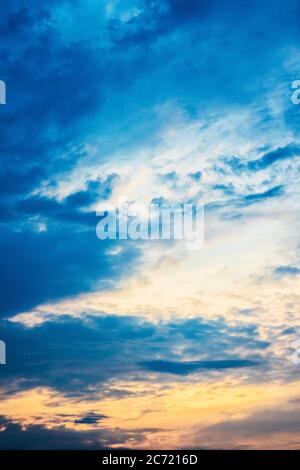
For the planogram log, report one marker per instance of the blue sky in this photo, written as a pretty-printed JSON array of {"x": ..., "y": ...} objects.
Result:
[{"x": 171, "y": 100}]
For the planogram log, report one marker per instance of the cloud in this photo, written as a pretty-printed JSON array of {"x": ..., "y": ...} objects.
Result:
[
  {"x": 256, "y": 430},
  {"x": 268, "y": 194},
  {"x": 62, "y": 261},
  {"x": 196, "y": 176},
  {"x": 183, "y": 368},
  {"x": 281, "y": 153},
  {"x": 289, "y": 331},
  {"x": 90, "y": 418},
  {"x": 281, "y": 271},
  {"x": 38, "y": 437},
  {"x": 96, "y": 90},
  {"x": 75, "y": 208},
  {"x": 79, "y": 356}
]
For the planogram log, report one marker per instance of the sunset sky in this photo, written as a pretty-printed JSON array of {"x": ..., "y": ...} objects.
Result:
[{"x": 145, "y": 344}]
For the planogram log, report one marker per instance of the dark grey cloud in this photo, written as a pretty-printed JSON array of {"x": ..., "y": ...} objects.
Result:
[
  {"x": 90, "y": 418},
  {"x": 45, "y": 266},
  {"x": 62, "y": 259},
  {"x": 78, "y": 357},
  {"x": 183, "y": 368},
  {"x": 73, "y": 209},
  {"x": 37, "y": 437}
]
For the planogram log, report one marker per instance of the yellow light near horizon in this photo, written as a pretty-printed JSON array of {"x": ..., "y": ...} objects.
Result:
[{"x": 173, "y": 411}]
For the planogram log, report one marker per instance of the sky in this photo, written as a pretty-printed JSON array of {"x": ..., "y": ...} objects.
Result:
[{"x": 142, "y": 343}]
